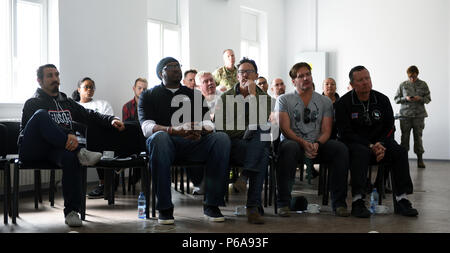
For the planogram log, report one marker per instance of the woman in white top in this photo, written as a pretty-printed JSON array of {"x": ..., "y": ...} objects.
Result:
[
  {"x": 86, "y": 91},
  {"x": 84, "y": 96}
]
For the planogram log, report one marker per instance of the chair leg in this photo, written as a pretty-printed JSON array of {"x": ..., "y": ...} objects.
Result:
[
  {"x": 326, "y": 185},
  {"x": 122, "y": 175},
  {"x": 266, "y": 186},
  {"x": 15, "y": 208},
  {"x": 83, "y": 192},
  {"x": 381, "y": 184},
  {"x": 7, "y": 188},
  {"x": 52, "y": 188},
  {"x": 130, "y": 177},
  {"x": 36, "y": 189},
  {"x": 145, "y": 183},
  {"x": 181, "y": 180},
  {"x": 188, "y": 180}
]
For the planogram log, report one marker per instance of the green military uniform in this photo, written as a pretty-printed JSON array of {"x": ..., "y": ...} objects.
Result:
[
  {"x": 225, "y": 77},
  {"x": 413, "y": 114}
]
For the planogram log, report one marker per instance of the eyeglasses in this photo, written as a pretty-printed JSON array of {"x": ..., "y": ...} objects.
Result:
[
  {"x": 248, "y": 71},
  {"x": 88, "y": 87},
  {"x": 172, "y": 67},
  {"x": 308, "y": 117}
]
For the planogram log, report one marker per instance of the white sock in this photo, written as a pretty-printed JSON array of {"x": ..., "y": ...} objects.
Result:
[
  {"x": 355, "y": 198},
  {"x": 403, "y": 196}
]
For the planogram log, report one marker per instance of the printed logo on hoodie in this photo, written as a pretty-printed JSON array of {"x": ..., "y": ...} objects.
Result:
[{"x": 62, "y": 118}]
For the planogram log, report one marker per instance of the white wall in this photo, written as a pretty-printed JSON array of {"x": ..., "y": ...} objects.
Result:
[
  {"x": 387, "y": 37},
  {"x": 214, "y": 25},
  {"x": 105, "y": 40}
]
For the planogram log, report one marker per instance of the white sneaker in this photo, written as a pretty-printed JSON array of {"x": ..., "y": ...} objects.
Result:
[
  {"x": 73, "y": 220},
  {"x": 88, "y": 158}
]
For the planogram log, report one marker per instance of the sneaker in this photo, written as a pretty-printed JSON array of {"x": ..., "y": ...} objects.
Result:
[
  {"x": 341, "y": 212},
  {"x": 253, "y": 215},
  {"x": 212, "y": 213},
  {"x": 73, "y": 220},
  {"x": 359, "y": 209},
  {"x": 97, "y": 193},
  {"x": 284, "y": 211},
  {"x": 198, "y": 191},
  {"x": 404, "y": 208},
  {"x": 88, "y": 158},
  {"x": 241, "y": 184},
  {"x": 165, "y": 217}
]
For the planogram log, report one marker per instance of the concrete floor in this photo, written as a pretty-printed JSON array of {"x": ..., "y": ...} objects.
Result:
[{"x": 431, "y": 189}]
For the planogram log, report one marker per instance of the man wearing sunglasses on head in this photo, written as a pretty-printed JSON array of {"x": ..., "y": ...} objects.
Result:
[
  {"x": 365, "y": 122},
  {"x": 305, "y": 119}
]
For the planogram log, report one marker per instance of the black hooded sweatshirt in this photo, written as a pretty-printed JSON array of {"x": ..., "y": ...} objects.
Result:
[{"x": 63, "y": 111}]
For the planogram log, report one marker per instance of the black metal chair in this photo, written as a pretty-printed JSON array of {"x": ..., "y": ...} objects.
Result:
[{"x": 4, "y": 165}]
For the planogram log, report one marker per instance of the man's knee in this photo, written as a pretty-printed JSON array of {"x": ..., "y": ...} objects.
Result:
[
  {"x": 288, "y": 147},
  {"x": 222, "y": 140},
  {"x": 158, "y": 138}
]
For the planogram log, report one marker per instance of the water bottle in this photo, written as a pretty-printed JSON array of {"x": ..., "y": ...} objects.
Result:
[
  {"x": 373, "y": 200},
  {"x": 141, "y": 206}
]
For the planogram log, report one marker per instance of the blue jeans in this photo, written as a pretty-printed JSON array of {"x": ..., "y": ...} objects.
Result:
[
  {"x": 253, "y": 155},
  {"x": 213, "y": 149},
  {"x": 44, "y": 141}
]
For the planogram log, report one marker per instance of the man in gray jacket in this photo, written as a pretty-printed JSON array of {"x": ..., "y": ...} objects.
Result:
[{"x": 413, "y": 94}]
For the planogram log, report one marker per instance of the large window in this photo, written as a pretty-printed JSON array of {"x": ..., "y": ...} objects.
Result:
[
  {"x": 163, "y": 40},
  {"x": 24, "y": 46},
  {"x": 254, "y": 37}
]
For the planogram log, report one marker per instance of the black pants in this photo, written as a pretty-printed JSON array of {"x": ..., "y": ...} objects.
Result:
[
  {"x": 126, "y": 143},
  {"x": 395, "y": 158},
  {"x": 333, "y": 152}
]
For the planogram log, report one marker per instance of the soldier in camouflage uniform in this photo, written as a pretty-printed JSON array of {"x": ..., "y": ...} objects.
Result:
[
  {"x": 226, "y": 76},
  {"x": 413, "y": 95}
]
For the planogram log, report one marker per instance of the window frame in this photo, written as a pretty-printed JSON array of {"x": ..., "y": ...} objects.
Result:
[{"x": 12, "y": 86}]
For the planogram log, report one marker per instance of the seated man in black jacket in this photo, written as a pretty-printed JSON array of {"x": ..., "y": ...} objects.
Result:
[
  {"x": 47, "y": 135},
  {"x": 365, "y": 122}
]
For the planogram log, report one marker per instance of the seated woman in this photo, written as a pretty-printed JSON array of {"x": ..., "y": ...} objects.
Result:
[
  {"x": 84, "y": 95},
  {"x": 329, "y": 90}
]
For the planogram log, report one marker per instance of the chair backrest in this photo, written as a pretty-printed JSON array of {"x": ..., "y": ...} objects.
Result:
[
  {"x": 12, "y": 134},
  {"x": 3, "y": 140}
]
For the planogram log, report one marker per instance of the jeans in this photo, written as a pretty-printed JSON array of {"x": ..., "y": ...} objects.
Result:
[
  {"x": 213, "y": 149},
  {"x": 332, "y": 152},
  {"x": 44, "y": 141},
  {"x": 253, "y": 155}
]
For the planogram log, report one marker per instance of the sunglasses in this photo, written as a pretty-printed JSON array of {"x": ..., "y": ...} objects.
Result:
[{"x": 308, "y": 117}]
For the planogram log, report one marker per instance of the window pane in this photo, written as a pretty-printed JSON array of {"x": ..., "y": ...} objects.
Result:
[
  {"x": 29, "y": 48},
  {"x": 5, "y": 50},
  {"x": 172, "y": 44},
  {"x": 154, "y": 51}
]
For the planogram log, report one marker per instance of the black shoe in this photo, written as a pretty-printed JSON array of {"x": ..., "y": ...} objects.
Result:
[
  {"x": 165, "y": 217},
  {"x": 213, "y": 213},
  {"x": 359, "y": 209},
  {"x": 404, "y": 208},
  {"x": 97, "y": 193}
]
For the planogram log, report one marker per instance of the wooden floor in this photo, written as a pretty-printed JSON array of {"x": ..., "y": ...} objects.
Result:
[{"x": 431, "y": 198}]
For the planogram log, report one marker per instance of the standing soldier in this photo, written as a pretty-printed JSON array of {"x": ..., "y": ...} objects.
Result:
[{"x": 413, "y": 94}]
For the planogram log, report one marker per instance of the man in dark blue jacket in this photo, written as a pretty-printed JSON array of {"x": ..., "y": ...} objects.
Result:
[
  {"x": 365, "y": 123},
  {"x": 47, "y": 134}
]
